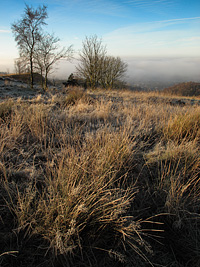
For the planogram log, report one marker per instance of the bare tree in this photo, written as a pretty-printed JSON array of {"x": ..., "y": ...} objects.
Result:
[
  {"x": 47, "y": 53},
  {"x": 21, "y": 65},
  {"x": 96, "y": 67},
  {"x": 27, "y": 32},
  {"x": 113, "y": 69},
  {"x": 91, "y": 59},
  {"x": 18, "y": 66}
]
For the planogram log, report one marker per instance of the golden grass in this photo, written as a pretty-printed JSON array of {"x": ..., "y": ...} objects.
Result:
[
  {"x": 99, "y": 179},
  {"x": 184, "y": 125}
]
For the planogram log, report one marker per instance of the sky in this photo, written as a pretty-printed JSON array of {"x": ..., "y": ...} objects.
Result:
[{"x": 155, "y": 37}]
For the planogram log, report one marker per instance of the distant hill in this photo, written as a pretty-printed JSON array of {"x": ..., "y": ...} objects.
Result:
[
  {"x": 24, "y": 77},
  {"x": 184, "y": 89}
]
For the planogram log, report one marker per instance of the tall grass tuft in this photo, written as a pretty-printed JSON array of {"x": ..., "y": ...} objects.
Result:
[
  {"x": 99, "y": 179},
  {"x": 183, "y": 126}
]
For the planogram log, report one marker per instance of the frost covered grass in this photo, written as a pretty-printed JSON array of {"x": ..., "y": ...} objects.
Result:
[{"x": 99, "y": 179}]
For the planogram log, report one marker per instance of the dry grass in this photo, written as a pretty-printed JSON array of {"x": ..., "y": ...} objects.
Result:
[
  {"x": 99, "y": 179},
  {"x": 184, "y": 125}
]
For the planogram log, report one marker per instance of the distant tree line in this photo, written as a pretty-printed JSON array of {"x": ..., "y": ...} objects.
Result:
[{"x": 39, "y": 51}]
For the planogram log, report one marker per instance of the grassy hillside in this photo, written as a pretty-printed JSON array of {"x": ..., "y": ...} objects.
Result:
[
  {"x": 184, "y": 89},
  {"x": 25, "y": 77},
  {"x": 99, "y": 179}
]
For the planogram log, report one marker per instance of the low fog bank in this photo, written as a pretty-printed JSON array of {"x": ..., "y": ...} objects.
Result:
[
  {"x": 158, "y": 73},
  {"x": 148, "y": 72},
  {"x": 145, "y": 72}
]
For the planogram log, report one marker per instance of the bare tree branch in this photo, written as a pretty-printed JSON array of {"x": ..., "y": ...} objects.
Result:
[
  {"x": 91, "y": 57},
  {"x": 47, "y": 53},
  {"x": 27, "y": 32},
  {"x": 96, "y": 67}
]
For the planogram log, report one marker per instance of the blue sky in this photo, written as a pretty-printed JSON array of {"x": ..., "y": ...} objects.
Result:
[{"x": 129, "y": 28}]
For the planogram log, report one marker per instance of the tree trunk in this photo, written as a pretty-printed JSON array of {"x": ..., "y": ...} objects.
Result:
[
  {"x": 45, "y": 81},
  {"x": 41, "y": 73},
  {"x": 31, "y": 63}
]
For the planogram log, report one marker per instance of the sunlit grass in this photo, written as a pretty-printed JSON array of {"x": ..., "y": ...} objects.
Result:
[{"x": 99, "y": 179}]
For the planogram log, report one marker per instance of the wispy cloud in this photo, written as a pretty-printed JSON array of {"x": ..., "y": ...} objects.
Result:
[
  {"x": 180, "y": 19},
  {"x": 93, "y": 6},
  {"x": 113, "y": 8},
  {"x": 119, "y": 7},
  {"x": 147, "y": 3},
  {"x": 168, "y": 37},
  {"x": 4, "y": 31},
  {"x": 153, "y": 6},
  {"x": 153, "y": 26}
]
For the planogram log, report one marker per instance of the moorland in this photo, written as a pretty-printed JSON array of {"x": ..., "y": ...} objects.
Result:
[{"x": 99, "y": 178}]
